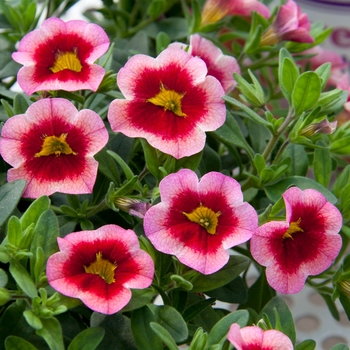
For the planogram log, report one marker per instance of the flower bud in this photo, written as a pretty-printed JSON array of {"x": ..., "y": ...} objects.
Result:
[{"x": 323, "y": 127}]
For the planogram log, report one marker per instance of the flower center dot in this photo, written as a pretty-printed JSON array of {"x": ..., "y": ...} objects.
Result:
[
  {"x": 103, "y": 268},
  {"x": 205, "y": 217},
  {"x": 293, "y": 228},
  {"x": 169, "y": 99},
  {"x": 66, "y": 60},
  {"x": 55, "y": 145}
]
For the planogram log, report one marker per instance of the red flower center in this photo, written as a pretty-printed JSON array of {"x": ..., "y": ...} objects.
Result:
[
  {"x": 205, "y": 217},
  {"x": 103, "y": 268},
  {"x": 66, "y": 60},
  {"x": 293, "y": 228},
  {"x": 55, "y": 145},
  {"x": 169, "y": 99}
]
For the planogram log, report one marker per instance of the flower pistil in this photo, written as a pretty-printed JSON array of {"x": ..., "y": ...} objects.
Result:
[
  {"x": 205, "y": 217},
  {"x": 293, "y": 228},
  {"x": 169, "y": 99},
  {"x": 66, "y": 60},
  {"x": 103, "y": 268}
]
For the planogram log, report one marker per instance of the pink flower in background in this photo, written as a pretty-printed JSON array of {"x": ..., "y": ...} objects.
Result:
[
  {"x": 197, "y": 221},
  {"x": 170, "y": 101},
  {"x": 52, "y": 147},
  {"x": 219, "y": 65},
  {"x": 254, "y": 338},
  {"x": 61, "y": 55},
  {"x": 305, "y": 244},
  {"x": 215, "y": 10},
  {"x": 290, "y": 24},
  {"x": 99, "y": 267}
]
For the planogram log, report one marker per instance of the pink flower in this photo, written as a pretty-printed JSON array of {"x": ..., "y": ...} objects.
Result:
[
  {"x": 99, "y": 267},
  {"x": 197, "y": 221},
  {"x": 170, "y": 101},
  {"x": 305, "y": 244},
  {"x": 52, "y": 147},
  {"x": 61, "y": 55},
  {"x": 290, "y": 24},
  {"x": 215, "y": 10},
  {"x": 254, "y": 338},
  {"x": 219, "y": 65}
]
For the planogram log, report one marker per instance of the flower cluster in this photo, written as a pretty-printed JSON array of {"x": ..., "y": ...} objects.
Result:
[{"x": 166, "y": 168}]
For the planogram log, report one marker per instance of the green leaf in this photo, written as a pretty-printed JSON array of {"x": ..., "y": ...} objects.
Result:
[
  {"x": 231, "y": 135},
  {"x": 322, "y": 165},
  {"x": 87, "y": 339},
  {"x": 235, "y": 266},
  {"x": 324, "y": 71},
  {"x": 195, "y": 309},
  {"x": 306, "y": 345},
  {"x": 107, "y": 166},
  {"x": 10, "y": 194},
  {"x": 144, "y": 337},
  {"x": 8, "y": 109},
  {"x": 169, "y": 318},
  {"x": 52, "y": 333},
  {"x": 3, "y": 278},
  {"x": 16, "y": 343},
  {"x": 33, "y": 320},
  {"x": 219, "y": 332},
  {"x": 151, "y": 158},
  {"x": 287, "y": 326},
  {"x": 14, "y": 231},
  {"x": 341, "y": 181},
  {"x": 196, "y": 17},
  {"x": 22, "y": 278},
  {"x": 164, "y": 335},
  {"x": 46, "y": 232},
  {"x": 306, "y": 92},
  {"x": 249, "y": 112},
  {"x": 339, "y": 347},
  {"x": 275, "y": 191},
  {"x": 32, "y": 214},
  {"x": 234, "y": 292},
  {"x": 253, "y": 96},
  {"x": 155, "y": 8},
  {"x": 162, "y": 42},
  {"x": 299, "y": 160},
  {"x": 341, "y": 146},
  {"x": 20, "y": 104}
]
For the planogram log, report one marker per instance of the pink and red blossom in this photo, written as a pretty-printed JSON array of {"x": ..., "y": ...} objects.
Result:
[
  {"x": 215, "y": 10},
  {"x": 290, "y": 24},
  {"x": 52, "y": 147},
  {"x": 99, "y": 267},
  {"x": 305, "y": 244},
  {"x": 198, "y": 220},
  {"x": 170, "y": 101},
  {"x": 219, "y": 65},
  {"x": 60, "y": 56},
  {"x": 254, "y": 338}
]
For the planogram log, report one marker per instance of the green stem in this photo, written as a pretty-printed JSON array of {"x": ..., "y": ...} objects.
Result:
[{"x": 96, "y": 209}]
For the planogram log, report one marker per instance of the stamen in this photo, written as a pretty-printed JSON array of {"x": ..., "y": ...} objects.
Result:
[
  {"x": 55, "y": 145},
  {"x": 66, "y": 60},
  {"x": 293, "y": 228},
  {"x": 205, "y": 217},
  {"x": 103, "y": 268},
  {"x": 169, "y": 99}
]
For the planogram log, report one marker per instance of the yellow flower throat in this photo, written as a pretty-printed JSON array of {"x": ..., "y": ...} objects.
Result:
[
  {"x": 169, "y": 99},
  {"x": 293, "y": 228},
  {"x": 103, "y": 268},
  {"x": 55, "y": 145},
  {"x": 66, "y": 60},
  {"x": 205, "y": 217}
]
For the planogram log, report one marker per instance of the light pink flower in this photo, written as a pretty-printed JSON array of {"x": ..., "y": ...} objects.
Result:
[
  {"x": 290, "y": 24},
  {"x": 52, "y": 147},
  {"x": 170, "y": 101},
  {"x": 215, "y": 10},
  {"x": 61, "y": 55},
  {"x": 305, "y": 244},
  {"x": 219, "y": 65},
  {"x": 99, "y": 267},
  {"x": 254, "y": 338},
  {"x": 197, "y": 221}
]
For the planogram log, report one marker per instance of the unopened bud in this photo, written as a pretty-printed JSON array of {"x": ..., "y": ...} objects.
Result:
[{"x": 323, "y": 127}]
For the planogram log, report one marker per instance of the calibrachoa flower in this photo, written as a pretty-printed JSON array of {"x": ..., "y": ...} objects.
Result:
[
  {"x": 254, "y": 338},
  {"x": 215, "y": 10},
  {"x": 61, "y": 55},
  {"x": 290, "y": 24},
  {"x": 198, "y": 220},
  {"x": 170, "y": 101},
  {"x": 219, "y": 65},
  {"x": 52, "y": 147},
  {"x": 305, "y": 244},
  {"x": 99, "y": 267}
]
